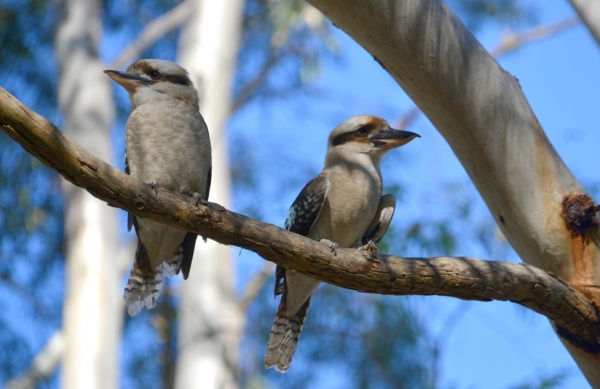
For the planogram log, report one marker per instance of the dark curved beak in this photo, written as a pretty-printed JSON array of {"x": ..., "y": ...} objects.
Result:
[
  {"x": 392, "y": 138},
  {"x": 128, "y": 81}
]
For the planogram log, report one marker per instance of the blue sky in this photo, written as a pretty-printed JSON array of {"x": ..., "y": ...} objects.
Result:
[{"x": 491, "y": 345}]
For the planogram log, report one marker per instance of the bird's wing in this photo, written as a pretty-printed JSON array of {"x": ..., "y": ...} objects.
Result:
[
  {"x": 382, "y": 219},
  {"x": 208, "y": 181},
  {"x": 187, "y": 248},
  {"x": 189, "y": 243},
  {"x": 302, "y": 215},
  {"x": 308, "y": 205},
  {"x": 130, "y": 217}
]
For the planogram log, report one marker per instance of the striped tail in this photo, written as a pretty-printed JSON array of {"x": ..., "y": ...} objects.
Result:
[
  {"x": 144, "y": 283},
  {"x": 284, "y": 336},
  {"x": 182, "y": 259}
]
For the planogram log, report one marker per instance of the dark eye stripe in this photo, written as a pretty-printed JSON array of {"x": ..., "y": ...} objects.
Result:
[
  {"x": 358, "y": 135},
  {"x": 181, "y": 80}
]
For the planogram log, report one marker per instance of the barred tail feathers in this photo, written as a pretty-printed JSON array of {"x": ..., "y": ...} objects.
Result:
[
  {"x": 284, "y": 336},
  {"x": 143, "y": 286}
]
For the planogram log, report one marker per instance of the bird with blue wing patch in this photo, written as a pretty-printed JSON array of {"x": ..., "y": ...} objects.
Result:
[{"x": 341, "y": 207}]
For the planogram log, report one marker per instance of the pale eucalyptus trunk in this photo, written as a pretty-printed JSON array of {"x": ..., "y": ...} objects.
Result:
[
  {"x": 210, "y": 320},
  {"x": 589, "y": 12},
  {"x": 483, "y": 114},
  {"x": 92, "y": 308}
]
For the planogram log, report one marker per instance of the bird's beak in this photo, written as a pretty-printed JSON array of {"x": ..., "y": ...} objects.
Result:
[
  {"x": 391, "y": 138},
  {"x": 128, "y": 81}
]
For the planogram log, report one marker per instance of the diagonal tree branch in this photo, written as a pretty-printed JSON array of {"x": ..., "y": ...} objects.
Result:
[
  {"x": 43, "y": 365},
  {"x": 466, "y": 278},
  {"x": 511, "y": 41},
  {"x": 481, "y": 111},
  {"x": 589, "y": 11}
]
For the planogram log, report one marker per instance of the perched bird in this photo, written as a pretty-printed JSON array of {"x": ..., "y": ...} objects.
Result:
[
  {"x": 167, "y": 145},
  {"x": 341, "y": 207}
]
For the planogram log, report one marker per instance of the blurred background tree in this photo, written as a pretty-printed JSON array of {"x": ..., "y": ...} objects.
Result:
[{"x": 350, "y": 340}]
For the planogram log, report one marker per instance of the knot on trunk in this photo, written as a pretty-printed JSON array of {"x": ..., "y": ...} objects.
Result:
[{"x": 579, "y": 213}]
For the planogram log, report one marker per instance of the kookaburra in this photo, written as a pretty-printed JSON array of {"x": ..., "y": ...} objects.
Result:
[
  {"x": 342, "y": 207},
  {"x": 167, "y": 145}
]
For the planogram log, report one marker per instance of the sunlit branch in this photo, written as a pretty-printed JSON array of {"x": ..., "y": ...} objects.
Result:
[
  {"x": 465, "y": 278},
  {"x": 509, "y": 42},
  {"x": 589, "y": 11}
]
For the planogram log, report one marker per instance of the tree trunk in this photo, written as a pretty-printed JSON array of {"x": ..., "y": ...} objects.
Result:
[
  {"x": 589, "y": 12},
  {"x": 481, "y": 111},
  {"x": 210, "y": 321},
  {"x": 93, "y": 308}
]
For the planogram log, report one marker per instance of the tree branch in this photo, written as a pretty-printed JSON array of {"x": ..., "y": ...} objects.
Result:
[
  {"x": 152, "y": 32},
  {"x": 464, "y": 278},
  {"x": 589, "y": 11},
  {"x": 43, "y": 365},
  {"x": 481, "y": 111},
  {"x": 511, "y": 41},
  {"x": 255, "y": 284}
]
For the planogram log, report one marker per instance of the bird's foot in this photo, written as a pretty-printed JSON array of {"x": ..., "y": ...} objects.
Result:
[
  {"x": 198, "y": 197},
  {"x": 371, "y": 247},
  {"x": 199, "y": 200},
  {"x": 332, "y": 245},
  {"x": 154, "y": 186}
]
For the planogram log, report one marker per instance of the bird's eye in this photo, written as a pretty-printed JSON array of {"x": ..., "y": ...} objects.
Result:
[
  {"x": 154, "y": 74},
  {"x": 363, "y": 130}
]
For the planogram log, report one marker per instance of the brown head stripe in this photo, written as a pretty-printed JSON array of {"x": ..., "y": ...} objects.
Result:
[
  {"x": 182, "y": 80},
  {"x": 139, "y": 67},
  {"x": 373, "y": 123},
  {"x": 142, "y": 67}
]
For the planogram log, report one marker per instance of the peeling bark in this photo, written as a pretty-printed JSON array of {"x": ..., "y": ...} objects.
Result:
[{"x": 464, "y": 278}]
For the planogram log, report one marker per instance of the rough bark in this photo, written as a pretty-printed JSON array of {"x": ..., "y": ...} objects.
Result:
[
  {"x": 481, "y": 111},
  {"x": 210, "y": 321},
  {"x": 589, "y": 12},
  {"x": 93, "y": 307},
  {"x": 464, "y": 278}
]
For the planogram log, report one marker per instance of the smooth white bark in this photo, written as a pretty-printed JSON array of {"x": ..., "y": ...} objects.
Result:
[
  {"x": 589, "y": 12},
  {"x": 210, "y": 321},
  {"x": 93, "y": 305},
  {"x": 481, "y": 111}
]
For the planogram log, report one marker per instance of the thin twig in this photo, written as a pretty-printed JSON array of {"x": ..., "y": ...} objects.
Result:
[
  {"x": 255, "y": 285},
  {"x": 43, "y": 365},
  {"x": 153, "y": 31},
  {"x": 509, "y": 42}
]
